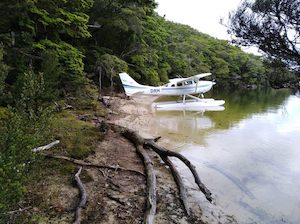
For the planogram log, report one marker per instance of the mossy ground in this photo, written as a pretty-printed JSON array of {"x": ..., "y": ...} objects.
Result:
[{"x": 77, "y": 138}]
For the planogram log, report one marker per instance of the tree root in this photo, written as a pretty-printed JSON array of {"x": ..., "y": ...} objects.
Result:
[
  {"x": 82, "y": 163},
  {"x": 83, "y": 197}
]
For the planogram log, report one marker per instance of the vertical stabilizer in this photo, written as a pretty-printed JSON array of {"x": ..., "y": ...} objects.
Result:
[
  {"x": 127, "y": 80},
  {"x": 130, "y": 85}
]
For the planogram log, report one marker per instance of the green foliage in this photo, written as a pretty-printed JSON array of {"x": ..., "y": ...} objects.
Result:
[
  {"x": 24, "y": 129},
  {"x": 67, "y": 62},
  {"x": 84, "y": 98},
  {"x": 271, "y": 25},
  {"x": 170, "y": 50},
  {"x": 221, "y": 67},
  {"x": 14, "y": 157},
  {"x": 60, "y": 17},
  {"x": 112, "y": 64},
  {"x": 3, "y": 72},
  {"x": 52, "y": 71},
  {"x": 121, "y": 24},
  {"x": 33, "y": 31},
  {"x": 149, "y": 59},
  {"x": 278, "y": 75}
]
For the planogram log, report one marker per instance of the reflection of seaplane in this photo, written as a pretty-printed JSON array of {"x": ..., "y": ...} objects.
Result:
[{"x": 184, "y": 87}]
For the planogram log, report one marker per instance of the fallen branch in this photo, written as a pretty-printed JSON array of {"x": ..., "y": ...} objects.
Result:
[
  {"x": 83, "y": 197},
  {"x": 45, "y": 147},
  {"x": 82, "y": 163}
]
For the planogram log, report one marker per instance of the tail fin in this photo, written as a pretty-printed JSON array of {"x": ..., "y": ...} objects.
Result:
[
  {"x": 127, "y": 80},
  {"x": 130, "y": 85}
]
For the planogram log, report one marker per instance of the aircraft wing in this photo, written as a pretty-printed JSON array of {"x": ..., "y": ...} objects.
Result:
[
  {"x": 199, "y": 76},
  {"x": 194, "y": 77}
]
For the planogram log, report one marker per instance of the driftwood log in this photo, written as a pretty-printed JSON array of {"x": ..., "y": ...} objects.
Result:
[
  {"x": 83, "y": 197},
  {"x": 141, "y": 143}
]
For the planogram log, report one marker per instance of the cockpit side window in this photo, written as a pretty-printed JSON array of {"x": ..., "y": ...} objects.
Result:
[
  {"x": 173, "y": 85},
  {"x": 190, "y": 82},
  {"x": 179, "y": 83}
]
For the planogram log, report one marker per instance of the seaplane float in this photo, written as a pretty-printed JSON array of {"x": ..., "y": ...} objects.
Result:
[{"x": 185, "y": 87}]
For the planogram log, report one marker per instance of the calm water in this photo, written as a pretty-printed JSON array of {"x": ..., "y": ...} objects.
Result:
[{"x": 248, "y": 155}]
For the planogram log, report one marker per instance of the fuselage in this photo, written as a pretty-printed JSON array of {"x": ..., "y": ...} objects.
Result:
[{"x": 175, "y": 87}]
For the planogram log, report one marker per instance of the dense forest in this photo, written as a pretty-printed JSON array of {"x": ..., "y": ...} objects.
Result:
[{"x": 64, "y": 52}]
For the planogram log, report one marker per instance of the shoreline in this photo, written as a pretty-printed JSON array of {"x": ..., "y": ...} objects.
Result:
[{"x": 113, "y": 195}]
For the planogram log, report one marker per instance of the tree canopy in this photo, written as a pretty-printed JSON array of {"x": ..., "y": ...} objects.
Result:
[{"x": 271, "y": 25}]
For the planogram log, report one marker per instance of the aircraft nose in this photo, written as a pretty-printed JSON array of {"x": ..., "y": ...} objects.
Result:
[{"x": 213, "y": 83}]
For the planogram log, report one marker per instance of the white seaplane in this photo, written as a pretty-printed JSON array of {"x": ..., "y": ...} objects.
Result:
[{"x": 185, "y": 87}]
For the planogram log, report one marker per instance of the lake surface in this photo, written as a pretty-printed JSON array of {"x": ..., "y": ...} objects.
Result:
[{"x": 248, "y": 155}]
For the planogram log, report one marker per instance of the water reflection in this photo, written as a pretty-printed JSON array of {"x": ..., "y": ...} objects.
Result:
[
  {"x": 183, "y": 126},
  {"x": 193, "y": 126},
  {"x": 242, "y": 104},
  {"x": 247, "y": 155}
]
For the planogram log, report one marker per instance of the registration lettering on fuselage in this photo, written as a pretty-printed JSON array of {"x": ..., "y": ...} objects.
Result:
[{"x": 154, "y": 90}]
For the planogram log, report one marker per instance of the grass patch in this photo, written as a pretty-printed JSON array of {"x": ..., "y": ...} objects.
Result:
[{"x": 78, "y": 138}]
